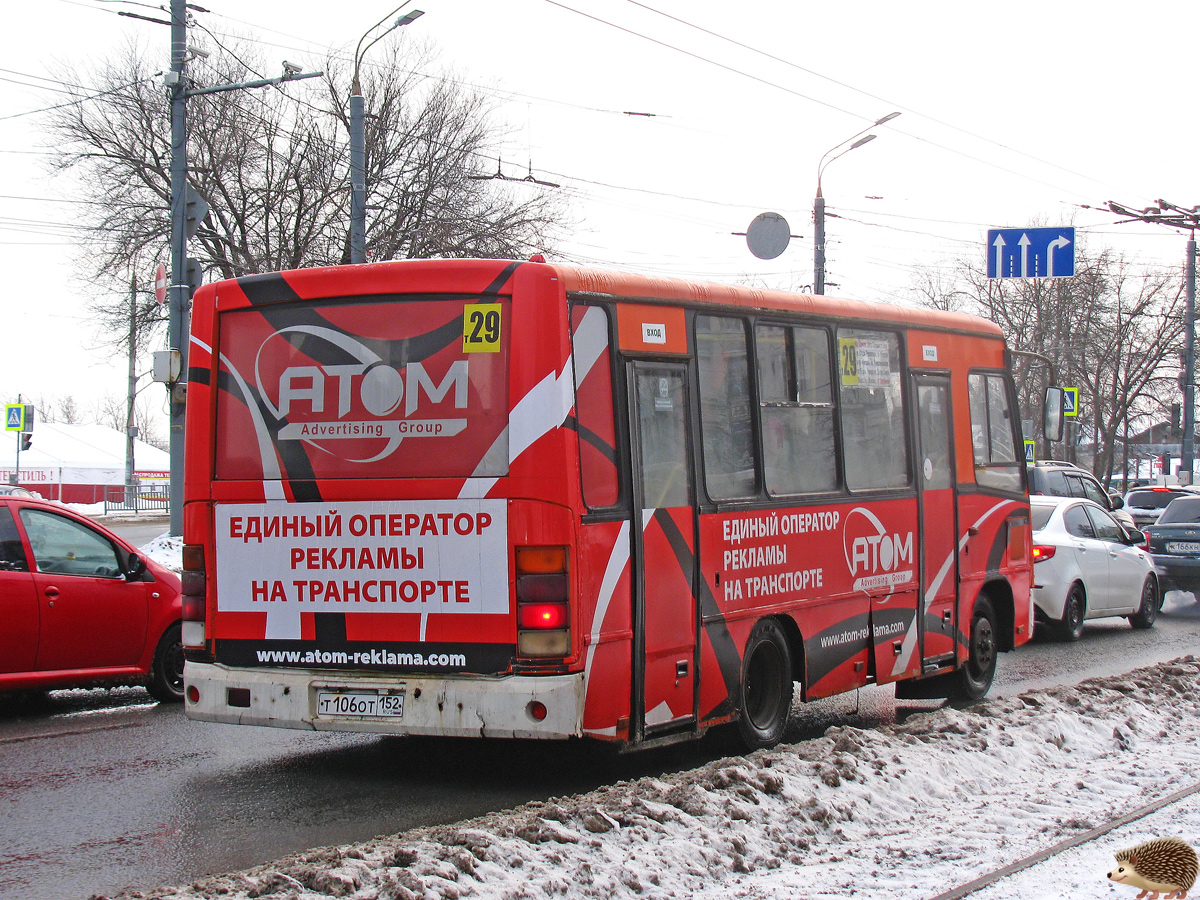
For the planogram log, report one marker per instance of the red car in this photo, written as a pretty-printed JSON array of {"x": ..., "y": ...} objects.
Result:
[{"x": 80, "y": 608}]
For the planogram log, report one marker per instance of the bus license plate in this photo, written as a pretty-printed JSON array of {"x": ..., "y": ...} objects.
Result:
[
  {"x": 365, "y": 704},
  {"x": 1183, "y": 546}
]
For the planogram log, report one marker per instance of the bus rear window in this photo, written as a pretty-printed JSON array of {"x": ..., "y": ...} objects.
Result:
[{"x": 390, "y": 387}]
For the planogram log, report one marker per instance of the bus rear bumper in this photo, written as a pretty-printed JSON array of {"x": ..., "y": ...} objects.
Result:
[{"x": 474, "y": 706}]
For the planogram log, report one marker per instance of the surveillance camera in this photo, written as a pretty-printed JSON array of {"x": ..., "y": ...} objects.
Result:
[
  {"x": 197, "y": 52},
  {"x": 290, "y": 69}
]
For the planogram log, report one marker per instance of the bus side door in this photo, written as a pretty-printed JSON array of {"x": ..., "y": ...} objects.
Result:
[
  {"x": 939, "y": 553},
  {"x": 663, "y": 535}
]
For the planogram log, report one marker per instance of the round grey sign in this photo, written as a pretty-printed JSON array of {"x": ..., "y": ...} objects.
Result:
[{"x": 768, "y": 235}]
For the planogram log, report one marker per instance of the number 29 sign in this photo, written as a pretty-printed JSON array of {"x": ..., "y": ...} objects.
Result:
[{"x": 481, "y": 328}]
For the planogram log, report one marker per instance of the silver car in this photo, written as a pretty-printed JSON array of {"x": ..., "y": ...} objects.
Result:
[{"x": 1088, "y": 566}]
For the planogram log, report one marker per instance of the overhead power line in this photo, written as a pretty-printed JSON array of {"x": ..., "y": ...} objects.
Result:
[{"x": 857, "y": 90}]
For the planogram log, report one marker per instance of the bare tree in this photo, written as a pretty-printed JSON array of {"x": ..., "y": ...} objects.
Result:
[
  {"x": 1111, "y": 330},
  {"x": 148, "y": 417},
  {"x": 110, "y": 411},
  {"x": 67, "y": 411},
  {"x": 273, "y": 166}
]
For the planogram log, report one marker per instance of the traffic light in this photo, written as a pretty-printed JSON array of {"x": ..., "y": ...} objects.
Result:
[
  {"x": 26, "y": 440},
  {"x": 1175, "y": 409}
]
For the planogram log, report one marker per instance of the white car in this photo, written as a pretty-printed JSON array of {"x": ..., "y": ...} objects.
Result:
[{"x": 1088, "y": 566}]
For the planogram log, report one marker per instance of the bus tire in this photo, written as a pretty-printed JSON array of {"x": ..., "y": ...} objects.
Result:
[
  {"x": 166, "y": 672},
  {"x": 977, "y": 671},
  {"x": 766, "y": 688}
]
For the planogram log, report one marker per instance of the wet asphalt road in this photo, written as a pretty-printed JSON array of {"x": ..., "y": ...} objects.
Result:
[{"x": 101, "y": 790}]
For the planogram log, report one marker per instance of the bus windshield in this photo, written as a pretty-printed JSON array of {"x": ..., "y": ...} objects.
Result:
[{"x": 350, "y": 388}]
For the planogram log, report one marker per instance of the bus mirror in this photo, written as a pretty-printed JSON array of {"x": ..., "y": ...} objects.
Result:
[{"x": 1052, "y": 421}]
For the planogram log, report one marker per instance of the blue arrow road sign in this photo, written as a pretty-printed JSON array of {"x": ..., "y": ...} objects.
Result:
[{"x": 1031, "y": 252}]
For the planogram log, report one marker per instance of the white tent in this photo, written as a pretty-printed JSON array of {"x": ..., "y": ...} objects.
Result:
[{"x": 75, "y": 463}]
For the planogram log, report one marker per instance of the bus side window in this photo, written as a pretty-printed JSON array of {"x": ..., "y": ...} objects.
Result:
[
  {"x": 872, "y": 400},
  {"x": 594, "y": 406},
  {"x": 723, "y": 365},
  {"x": 997, "y": 464},
  {"x": 796, "y": 397}
]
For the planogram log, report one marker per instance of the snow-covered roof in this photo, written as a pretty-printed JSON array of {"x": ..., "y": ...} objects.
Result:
[{"x": 80, "y": 447}]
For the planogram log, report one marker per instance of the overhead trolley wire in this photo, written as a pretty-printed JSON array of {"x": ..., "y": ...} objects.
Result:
[{"x": 865, "y": 93}]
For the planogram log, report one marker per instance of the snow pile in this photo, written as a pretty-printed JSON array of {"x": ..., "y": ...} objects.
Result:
[
  {"x": 904, "y": 811},
  {"x": 166, "y": 550}
]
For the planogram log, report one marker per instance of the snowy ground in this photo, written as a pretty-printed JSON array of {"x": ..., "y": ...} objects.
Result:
[{"x": 904, "y": 811}]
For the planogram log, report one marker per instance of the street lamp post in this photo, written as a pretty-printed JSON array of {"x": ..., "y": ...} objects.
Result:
[
  {"x": 855, "y": 141},
  {"x": 358, "y": 143}
]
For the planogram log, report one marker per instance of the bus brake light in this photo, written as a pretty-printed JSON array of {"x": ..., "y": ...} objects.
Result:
[
  {"x": 543, "y": 602},
  {"x": 542, "y": 615},
  {"x": 195, "y": 589}
]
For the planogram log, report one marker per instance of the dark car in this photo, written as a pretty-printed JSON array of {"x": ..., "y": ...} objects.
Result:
[
  {"x": 1147, "y": 504},
  {"x": 1064, "y": 479},
  {"x": 79, "y": 607},
  {"x": 1175, "y": 545}
]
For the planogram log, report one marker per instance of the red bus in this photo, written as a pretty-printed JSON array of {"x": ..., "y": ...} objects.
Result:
[{"x": 494, "y": 498}]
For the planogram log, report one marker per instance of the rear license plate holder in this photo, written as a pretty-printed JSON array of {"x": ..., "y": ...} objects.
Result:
[{"x": 359, "y": 703}]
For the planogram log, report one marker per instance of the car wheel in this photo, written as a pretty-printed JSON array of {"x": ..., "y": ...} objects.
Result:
[
  {"x": 975, "y": 676},
  {"x": 766, "y": 691},
  {"x": 166, "y": 672},
  {"x": 1070, "y": 626},
  {"x": 1148, "y": 610}
]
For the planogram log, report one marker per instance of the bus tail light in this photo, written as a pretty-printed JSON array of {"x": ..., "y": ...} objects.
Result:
[
  {"x": 543, "y": 602},
  {"x": 195, "y": 590},
  {"x": 1043, "y": 551}
]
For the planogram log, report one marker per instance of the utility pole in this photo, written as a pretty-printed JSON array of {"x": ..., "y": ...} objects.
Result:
[
  {"x": 130, "y": 431},
  {"x": 1186, "y": 220},
  {"x": 819, "y": 200},
  {"x": 179, "y": 291}
]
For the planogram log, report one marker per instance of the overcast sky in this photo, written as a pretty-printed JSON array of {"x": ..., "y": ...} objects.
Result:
[{"x": 1011, "y": 114}]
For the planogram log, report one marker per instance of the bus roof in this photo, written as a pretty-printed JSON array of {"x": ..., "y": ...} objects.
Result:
[
  {"x": 476, "y": 274},
  {"x": 636, "y": 287}
]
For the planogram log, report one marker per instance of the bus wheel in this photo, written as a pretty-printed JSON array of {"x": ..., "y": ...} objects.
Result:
[
  {"x": 766, "y": 686},
  {"x": 975, "y": 676}
]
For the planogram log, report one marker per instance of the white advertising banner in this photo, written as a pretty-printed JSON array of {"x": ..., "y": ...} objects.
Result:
[{"x": 436, "y": 556}]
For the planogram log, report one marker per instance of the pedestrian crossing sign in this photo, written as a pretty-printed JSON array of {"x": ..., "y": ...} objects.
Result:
[
  {"x": 1070, "y": 401},
  {"x": 14, "y": 417},
  {"x": 1030, "y": 452}
]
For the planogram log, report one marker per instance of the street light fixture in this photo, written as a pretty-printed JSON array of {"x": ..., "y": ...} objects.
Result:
[
  {"x": 358, "y": 143},
  {"x": 854, "y": 141}
]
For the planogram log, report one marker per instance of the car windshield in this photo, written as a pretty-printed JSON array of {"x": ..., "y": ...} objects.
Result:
[
  {"x": 1185, "y": 510},
  {"x": 1152, "y": 499},
  {"x": 1041, "y": 515}
]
